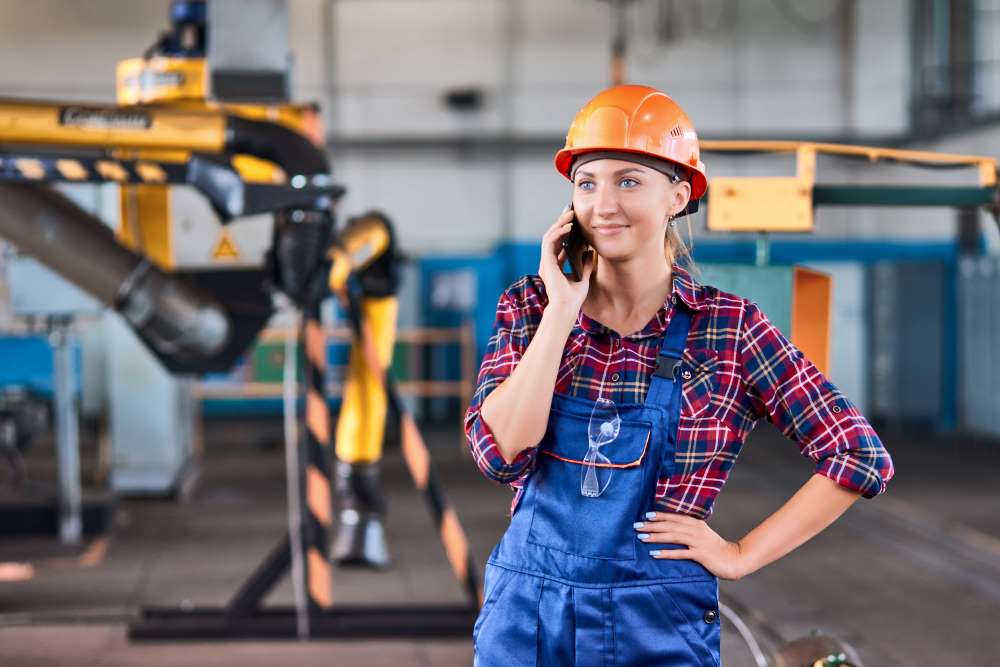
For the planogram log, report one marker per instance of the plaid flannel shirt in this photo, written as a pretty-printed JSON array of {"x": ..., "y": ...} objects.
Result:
[{"x": 743, "y": 368}]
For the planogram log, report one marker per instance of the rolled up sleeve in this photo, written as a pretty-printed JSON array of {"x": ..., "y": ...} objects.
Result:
[
  {"x": 506, "y": 346},
  {"x": 786, "y": 388}
]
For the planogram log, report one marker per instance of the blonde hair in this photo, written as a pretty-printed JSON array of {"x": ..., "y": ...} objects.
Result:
[{"x": 676, "y": 250}]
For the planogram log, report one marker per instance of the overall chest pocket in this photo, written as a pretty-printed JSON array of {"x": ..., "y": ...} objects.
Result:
[
  {"x": 595, "y": 527},
  {"x": 699, "y": 380}
]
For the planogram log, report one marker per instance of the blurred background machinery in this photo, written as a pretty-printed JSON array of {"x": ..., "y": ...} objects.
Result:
[
  {"x": 191, "y": 298},
  {"x": 249, "y": 155}
]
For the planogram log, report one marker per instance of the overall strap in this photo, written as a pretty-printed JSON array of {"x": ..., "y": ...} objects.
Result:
[{"x": 661, "y": 384}]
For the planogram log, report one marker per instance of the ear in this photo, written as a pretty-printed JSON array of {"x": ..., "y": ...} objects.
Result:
[{"x": 682, "y": 195}]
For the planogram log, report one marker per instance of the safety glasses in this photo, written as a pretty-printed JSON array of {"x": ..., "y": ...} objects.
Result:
[{"x": 603, "y": 429}]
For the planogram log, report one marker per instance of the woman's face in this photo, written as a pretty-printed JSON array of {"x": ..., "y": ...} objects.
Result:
[{"x": 623, "y": 207}]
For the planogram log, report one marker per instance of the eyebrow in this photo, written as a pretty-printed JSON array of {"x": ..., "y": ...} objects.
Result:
[{"x": 617, "y": 173}]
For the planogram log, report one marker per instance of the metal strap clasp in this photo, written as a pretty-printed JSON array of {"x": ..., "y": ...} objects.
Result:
[{"x": 665, "y": 366}]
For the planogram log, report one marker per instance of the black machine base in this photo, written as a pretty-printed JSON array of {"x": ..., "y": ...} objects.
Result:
[{"x": 276, "y": 623}]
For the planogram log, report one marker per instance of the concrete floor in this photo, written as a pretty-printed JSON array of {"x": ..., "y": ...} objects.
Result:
[{"x": 910, "y": 578}]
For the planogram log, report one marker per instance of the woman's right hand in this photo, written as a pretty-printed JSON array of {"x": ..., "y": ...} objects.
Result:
[{"x": 564, "y": 295}]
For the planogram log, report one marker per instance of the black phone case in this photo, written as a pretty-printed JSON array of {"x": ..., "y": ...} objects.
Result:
[{"x": 574, "y": 245}]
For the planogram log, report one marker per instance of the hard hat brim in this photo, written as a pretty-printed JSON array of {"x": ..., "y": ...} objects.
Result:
[{"x": 699, "y": 183}]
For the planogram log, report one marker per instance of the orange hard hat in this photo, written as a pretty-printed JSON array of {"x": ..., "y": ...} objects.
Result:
[{"x": 635, "y": 119}]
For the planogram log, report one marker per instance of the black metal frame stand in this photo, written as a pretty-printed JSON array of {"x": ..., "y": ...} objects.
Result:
[{"x": 244, "y": 617}]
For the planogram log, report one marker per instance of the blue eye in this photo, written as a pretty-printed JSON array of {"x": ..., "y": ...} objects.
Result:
[
  {"x": 584, "y": 185},
  {"x": 629, "y": 180}
]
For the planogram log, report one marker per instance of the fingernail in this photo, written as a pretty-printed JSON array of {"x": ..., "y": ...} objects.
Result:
[
  {"x": 638, "y": 524},
  {"x": 650, "y": 515},
  {"x": 655, "y": 552},
  {"x": 643, "y": 536}
]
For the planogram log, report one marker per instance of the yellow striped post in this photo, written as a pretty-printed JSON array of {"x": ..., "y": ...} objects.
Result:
[{"x": 317, "y": 520}]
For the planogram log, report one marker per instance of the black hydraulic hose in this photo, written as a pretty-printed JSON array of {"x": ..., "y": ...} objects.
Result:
[
  {"x": 300, "y": 235},
  {"x": 276, "y": 143}
]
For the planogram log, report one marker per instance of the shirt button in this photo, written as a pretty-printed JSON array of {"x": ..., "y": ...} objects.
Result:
[
  {"x": 836, "y": 409},
  {"x": 710, "y": 616},
  {"x": 614, "y": 378}
]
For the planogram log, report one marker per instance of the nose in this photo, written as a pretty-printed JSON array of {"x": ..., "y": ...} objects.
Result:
[{"x": 605, "y": 201}]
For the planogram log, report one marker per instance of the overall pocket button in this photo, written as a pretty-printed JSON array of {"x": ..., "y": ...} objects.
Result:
[
  {"x": 686, "y": 375},
  {"x": 710, "y": 616}
]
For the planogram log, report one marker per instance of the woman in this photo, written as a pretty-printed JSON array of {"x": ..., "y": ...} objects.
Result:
[{"x": 616, "y": 406}]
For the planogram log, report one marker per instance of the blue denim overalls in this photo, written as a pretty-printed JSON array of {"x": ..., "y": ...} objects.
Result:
[{"x": 569, "y": 583}]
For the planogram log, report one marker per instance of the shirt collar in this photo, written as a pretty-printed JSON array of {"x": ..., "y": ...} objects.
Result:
[
  {"x": 688, "y": 289},
  {"x": 683, "y": 287}
]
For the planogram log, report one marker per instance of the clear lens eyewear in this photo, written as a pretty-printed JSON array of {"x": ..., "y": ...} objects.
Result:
[{"x": 603, "y": 428}]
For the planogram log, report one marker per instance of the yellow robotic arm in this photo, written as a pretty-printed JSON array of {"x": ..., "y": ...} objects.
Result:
[{"x": 365, "y": 253}]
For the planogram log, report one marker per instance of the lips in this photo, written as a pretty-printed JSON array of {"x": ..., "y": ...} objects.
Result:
[{"x": 605, "y": 230}]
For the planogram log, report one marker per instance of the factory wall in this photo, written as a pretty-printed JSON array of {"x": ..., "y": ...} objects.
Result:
[
  {"x": 737, "y": 67},
  {"x": 536, "y": 63}
]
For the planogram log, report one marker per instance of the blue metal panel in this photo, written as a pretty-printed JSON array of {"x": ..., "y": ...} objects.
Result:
[
  {"x": 949, "y": 347},
  {"x": 236, "y": 407},
  {"x": 27, "y": 361}
]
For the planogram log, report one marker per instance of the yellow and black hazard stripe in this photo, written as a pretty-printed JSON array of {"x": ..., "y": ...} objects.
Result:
[
  {"x": 456, "y": 545},
  {"x": 316, "y": 463},
  {"x": 419, "y": 464},
  {"x": 214, "y": 176},
  {"x": 35, "y": 167}
]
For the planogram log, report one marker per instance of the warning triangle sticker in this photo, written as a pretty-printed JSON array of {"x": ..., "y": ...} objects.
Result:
[{"x": 225, "y": 248}]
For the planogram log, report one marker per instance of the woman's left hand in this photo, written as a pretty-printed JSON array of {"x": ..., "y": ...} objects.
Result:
[{"x": 719, "y": 556}]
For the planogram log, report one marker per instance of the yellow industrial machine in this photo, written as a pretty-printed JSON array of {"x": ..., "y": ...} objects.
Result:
[
  {"x": 366, "y": 243},
  {"x": 229, "y": 135}
]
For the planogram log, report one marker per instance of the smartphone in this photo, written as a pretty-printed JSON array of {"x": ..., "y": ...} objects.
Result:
[{"x": 574, "y": 244}]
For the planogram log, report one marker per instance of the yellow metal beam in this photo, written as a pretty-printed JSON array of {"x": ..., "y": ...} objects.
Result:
[
  {"x": 785, "y": 204},
  {"x": 987, "y": 165},
  {"x": 111, "y": 126}
]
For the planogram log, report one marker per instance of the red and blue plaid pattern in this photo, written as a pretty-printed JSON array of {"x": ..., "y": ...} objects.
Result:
[{"x": 743, "y": 368}]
